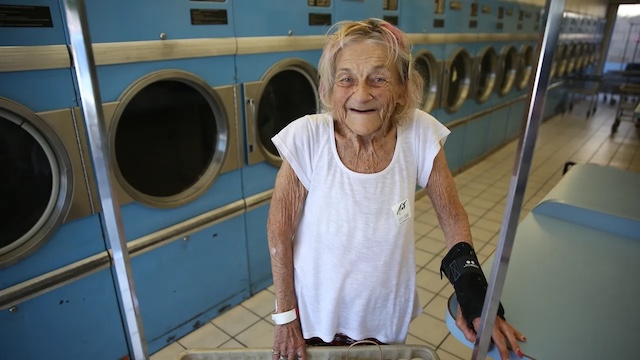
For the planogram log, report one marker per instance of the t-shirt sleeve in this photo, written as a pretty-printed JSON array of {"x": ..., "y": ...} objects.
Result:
[
  {"x": 430, "y": 138},
  {"x": 295, "y": 145}
]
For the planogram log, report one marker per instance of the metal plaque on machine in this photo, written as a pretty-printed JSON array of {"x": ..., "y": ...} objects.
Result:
[
  {"x": 321, "y": 3},
  {"x": 390, "y": 5},
  {"x": 455, "y": 5},
  {"x": 509, "y": 12},
  {"x": 393, "y": 20},
  {"x": 319, "y": 19},
  {"x": 486, "y": 9},
  {"x": 209, "y": 17},
  {"x": 25, "y": 16}
]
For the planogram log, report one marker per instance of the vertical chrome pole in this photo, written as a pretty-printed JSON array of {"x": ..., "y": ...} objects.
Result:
[
  {"x": 546, "y": 44},
  {"x": 82, "y": 53}
]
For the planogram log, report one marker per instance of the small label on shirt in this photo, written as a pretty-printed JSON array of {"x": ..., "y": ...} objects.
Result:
[{"x": 402, "y": 210}]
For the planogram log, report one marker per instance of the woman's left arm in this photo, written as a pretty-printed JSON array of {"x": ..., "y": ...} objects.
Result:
[{"x": 454, "y": 222}]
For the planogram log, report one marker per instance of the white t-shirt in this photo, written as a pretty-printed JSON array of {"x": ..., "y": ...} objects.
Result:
[{"x": 354, "y": 263}]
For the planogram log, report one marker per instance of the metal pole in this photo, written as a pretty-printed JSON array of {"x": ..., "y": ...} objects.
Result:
[
  {"x": 626, "y": 43},
  {"x": 546, "y": 44},
  {"x": 82, "y": 53}
]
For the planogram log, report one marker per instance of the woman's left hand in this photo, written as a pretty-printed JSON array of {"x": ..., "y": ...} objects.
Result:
[{"x": 502, "y": 334}]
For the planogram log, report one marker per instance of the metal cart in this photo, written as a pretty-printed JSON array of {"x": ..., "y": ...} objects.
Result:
[
  {"x": 629, "y": 101},
  {"x": 361, "y": 352},
  {"x": 584, "y": 86}
]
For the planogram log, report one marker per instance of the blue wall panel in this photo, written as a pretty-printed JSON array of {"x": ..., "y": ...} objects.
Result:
[
  {"x": 79, "y": 321},
  {"x": 185, "y": 283}
]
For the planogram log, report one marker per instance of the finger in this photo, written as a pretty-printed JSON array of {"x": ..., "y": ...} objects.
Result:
[
  {"x": 519, "y": 335},
  {"x": 461, "y": 323},
  {"x": 509, "y": 333},
  {"x": 302, "y": 352},
  {"x": 500, "y": 342}
]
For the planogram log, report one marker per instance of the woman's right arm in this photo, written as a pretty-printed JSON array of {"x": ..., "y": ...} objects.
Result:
[{"x": 284, "y": 215}]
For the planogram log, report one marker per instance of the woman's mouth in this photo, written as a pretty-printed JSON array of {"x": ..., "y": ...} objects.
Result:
[{"x": 362, "y": 111}]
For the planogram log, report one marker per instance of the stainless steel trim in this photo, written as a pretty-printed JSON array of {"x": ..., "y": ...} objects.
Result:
[
  {"x": 154, "y": 50},
  {"x": 502, "y": 37},
  {"x": 507, "y": 69},
  {"x": 427, "y": 39},
  {"x": 253, "y": 93},
  {"x": 525, "y": 66},
  {"x": 469, "y": 118},
  {"x": 214, "y": 167},
  {"x": 465, "y": 85},
  {"x": 270, "y": 44},
  {"x": 61, "y": 121},
  {"x": 431, "y": 98},
  {"x": 515, "y": 196},
  {"x": 231, "y": 109},
  {"x": 42, "y": 57},
  {"x": 258, "y": 200},
  {"x": 481, "y": 95},
  {"x": 114, "y": 229},
  {"x": 578, "y": 36},
  {"x": 62, "y": 187},
  {"x": 42, "y": 284}
]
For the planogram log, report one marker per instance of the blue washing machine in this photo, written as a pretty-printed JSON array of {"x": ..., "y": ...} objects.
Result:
[
  {"x": 416, "y": 20},
  {"x": 279, "y": 46},
  {"x": 167, "y": 80},
  {"x": 360, "y": 10},
  {"x": 48, "y": 219}
]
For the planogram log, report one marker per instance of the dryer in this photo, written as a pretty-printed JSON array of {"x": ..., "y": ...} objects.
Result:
[
  {"x": 279, "y": 45},
  {"x": 171, "y": 112},
  {"x": 48, "y": 218},
  {"x": 428, "y": 48}
]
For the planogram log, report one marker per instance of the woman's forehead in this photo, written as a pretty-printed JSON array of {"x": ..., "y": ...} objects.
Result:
[{"x": 364, "y": 53}]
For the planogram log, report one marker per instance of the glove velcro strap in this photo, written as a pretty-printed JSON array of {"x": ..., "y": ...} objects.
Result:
[{"x": 462, "y": 268}]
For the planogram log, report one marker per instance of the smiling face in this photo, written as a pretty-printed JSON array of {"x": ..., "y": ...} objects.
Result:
[{"x": 366, "y": 90}]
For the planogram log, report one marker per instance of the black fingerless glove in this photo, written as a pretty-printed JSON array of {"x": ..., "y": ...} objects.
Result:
[{"x": 462, "y": 268}]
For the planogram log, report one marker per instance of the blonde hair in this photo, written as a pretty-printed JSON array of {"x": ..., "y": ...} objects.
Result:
[{"x": 344, "y": 33}]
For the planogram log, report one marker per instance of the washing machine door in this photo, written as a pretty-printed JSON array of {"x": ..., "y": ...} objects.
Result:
[
  {"x": 37, "y": 183},
  {"x": 169, "y": 138},
  {"x": 562, "y": 58},
  {"x": 286, "y": 92},
  {"x": 509, "y": 64},
  {"x": 430, "y": 70},
  {"x": 571, "y": 59},
  {"x": 525, "y": 67},
  {"x": 486, "y": 69},
  {"x": 457, "y": 80}
]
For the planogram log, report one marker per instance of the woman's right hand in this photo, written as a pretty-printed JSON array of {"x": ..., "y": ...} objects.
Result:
[{"x": 288, "y": 342}]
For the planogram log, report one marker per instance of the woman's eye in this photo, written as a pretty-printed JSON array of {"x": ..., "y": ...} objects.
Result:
[
  {"x": 345, "y": 80},
  {"x": 379, "y": 80}
]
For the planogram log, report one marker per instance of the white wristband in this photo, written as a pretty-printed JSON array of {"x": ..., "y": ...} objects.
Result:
[{"x": 285, "y": 317}]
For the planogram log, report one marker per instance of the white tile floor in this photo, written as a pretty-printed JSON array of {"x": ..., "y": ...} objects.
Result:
[{"x": 482, "y": 189}]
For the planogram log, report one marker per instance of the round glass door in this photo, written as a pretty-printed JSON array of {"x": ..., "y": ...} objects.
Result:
[
  {"x": 571, "y": 59},
  {"x": 458, "y": 79},
  {"x": 580, "y": 57},
  {"x": 486, "y": 71},
  {"x": 427, "y": 66},
  {"x": 289, "y": 92},
  {"x": 37, "y": 182},
  {"x": 525, "y": 67},
  {"x": 169, "y": 138},
  {"x": 509, "y": 66},
  {"x": 592, "y": 53},
  {"x": 562, "y": 58}
]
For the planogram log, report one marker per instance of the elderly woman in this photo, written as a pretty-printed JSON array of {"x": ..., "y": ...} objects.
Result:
[{"x": 340, "y": 225}]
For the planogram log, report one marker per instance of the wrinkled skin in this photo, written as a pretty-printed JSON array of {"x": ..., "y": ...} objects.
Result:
[{"x": 503, "y": 334}]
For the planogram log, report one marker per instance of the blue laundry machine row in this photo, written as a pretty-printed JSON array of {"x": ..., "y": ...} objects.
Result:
[
  {"x": 49, "y": 219},
  {"x": 172, "y": 120},
  {"x": 169, "y": 96}
]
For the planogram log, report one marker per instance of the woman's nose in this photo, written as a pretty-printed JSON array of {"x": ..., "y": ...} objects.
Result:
[{"x": 362, "y": 92}]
